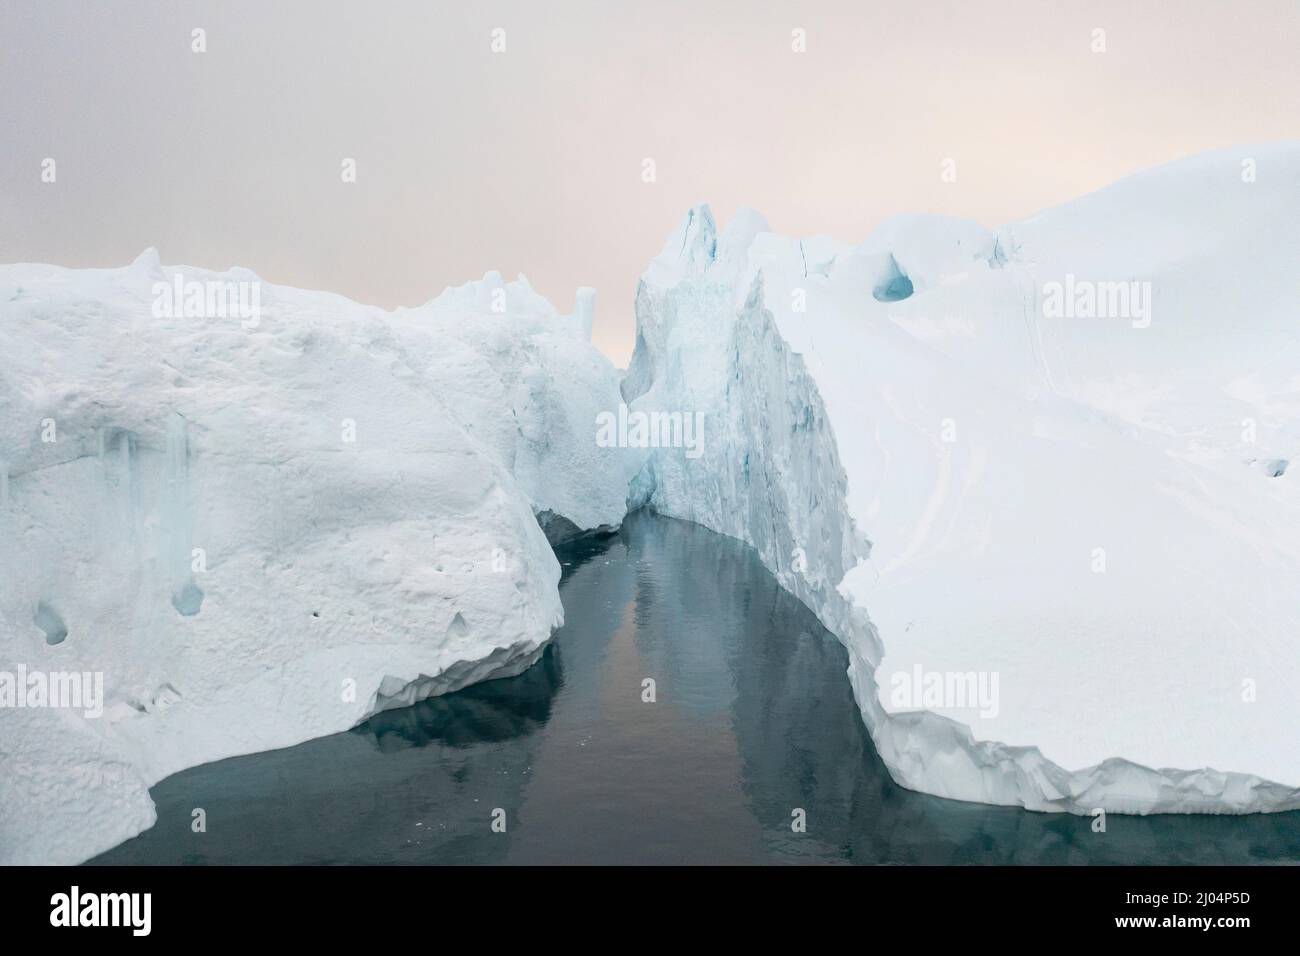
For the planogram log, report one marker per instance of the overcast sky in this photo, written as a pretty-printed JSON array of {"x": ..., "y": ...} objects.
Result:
[{"x": 531, "y": 159}]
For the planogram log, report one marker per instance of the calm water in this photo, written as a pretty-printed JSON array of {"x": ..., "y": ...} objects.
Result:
[{"x": 753, "y": 718}]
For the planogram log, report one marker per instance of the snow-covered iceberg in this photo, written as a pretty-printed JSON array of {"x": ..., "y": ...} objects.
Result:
[
  {"x": 256, "y": 515},
  {"x": 1036, "y": 478}
]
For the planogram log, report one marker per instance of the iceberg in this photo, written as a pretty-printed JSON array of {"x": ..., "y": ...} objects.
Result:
[
  {"x": 1034, "y": 477},
  {"x": 262, "y": 518}
]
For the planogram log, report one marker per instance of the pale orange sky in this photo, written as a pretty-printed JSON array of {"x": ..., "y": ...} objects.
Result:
[{"x": 530, "y": 160}]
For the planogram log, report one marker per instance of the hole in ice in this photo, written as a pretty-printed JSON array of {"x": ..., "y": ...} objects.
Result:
[
  {"x": 1271, "y": 467},
  {"x": 48, "y": 620},
  {"x": 117, "y": 441},
  {"x": 162, "y": 698},
  {"x": 896, "y": 286},
  {"x": 457, "y": 627},
  {"x": 188, "y": 601}
]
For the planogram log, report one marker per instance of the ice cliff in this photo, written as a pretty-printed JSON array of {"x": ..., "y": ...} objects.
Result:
[
  {"x": 264, "y": 514},
  {"x": 1035, "y": 478}
]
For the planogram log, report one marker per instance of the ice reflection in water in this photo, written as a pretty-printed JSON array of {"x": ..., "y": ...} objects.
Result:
[{"x": 753, "y": 718}]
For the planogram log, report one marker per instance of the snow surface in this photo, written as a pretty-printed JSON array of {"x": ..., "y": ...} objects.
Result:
[
  {"x": 337, "y": 577},
  {"x": 1095, "y": 512}
]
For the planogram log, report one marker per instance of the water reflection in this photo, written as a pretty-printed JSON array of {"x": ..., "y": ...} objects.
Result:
[{"x": 752, "y": 718}]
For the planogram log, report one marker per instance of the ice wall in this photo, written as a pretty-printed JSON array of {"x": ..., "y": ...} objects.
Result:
[
  {"x": 262, "y": 528},
  {"x": 1070, "y": 504}
]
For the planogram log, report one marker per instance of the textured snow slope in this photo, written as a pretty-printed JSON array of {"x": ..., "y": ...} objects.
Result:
[
  {"x": 1082, "y": 517},
  {"x": 361, "y": 489}
]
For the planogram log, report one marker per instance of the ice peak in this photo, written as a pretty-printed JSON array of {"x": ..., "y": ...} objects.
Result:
[
  {"x": 696, "y": 249},
  {"x": 693, "y": 244},
  {"x": 147, "y": 263},
  {"x": 493, "y": 295},
  {"x": 584, "y": 309},
  {"x": 148, "y": 258},
  {"x": 733, "y": 246}
]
